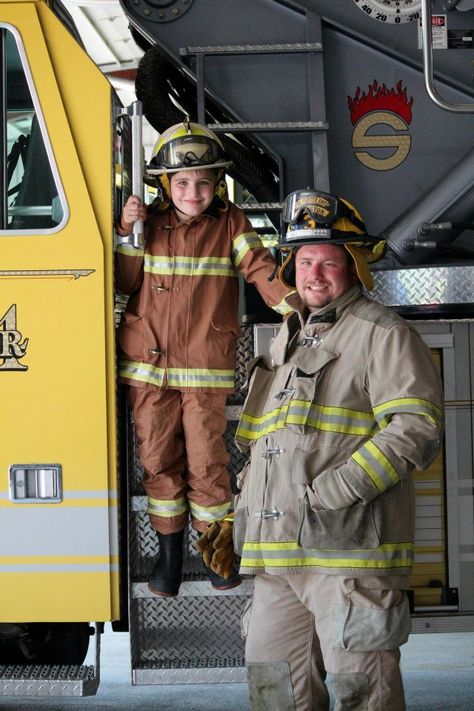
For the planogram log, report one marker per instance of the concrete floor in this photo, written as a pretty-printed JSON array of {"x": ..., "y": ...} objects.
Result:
[{"x": 438, "y": 671}]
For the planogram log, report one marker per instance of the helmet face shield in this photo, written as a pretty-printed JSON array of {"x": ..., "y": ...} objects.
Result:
[
  {"x": 187, "y": 152},
  {"x": 320, "y": 207},
  {"x": 187, "y": 146},
  {"x": 311, "y": 214},
  {"x": 315, "y": 217}
]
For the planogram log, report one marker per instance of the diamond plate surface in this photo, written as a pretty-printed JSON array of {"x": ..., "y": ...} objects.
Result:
[
  {"x": 44, "y": 680},
  {"x": 193, "y": 588},
  {"x": 215, "y": 675},
  {"x": 424, "y": 286},
  {"x": 186, "y": 632},
  {"x": 244, "y": 353}
]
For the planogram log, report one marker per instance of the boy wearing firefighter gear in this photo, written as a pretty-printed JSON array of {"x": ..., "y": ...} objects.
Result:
[
  {"x": 348, "y": 406},
  {"x": 178, "y": 336}
]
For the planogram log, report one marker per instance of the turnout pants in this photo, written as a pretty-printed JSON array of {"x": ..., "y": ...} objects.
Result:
[
  {"x": 302, "y": 628},
  {"x": 181, "y": 448}
]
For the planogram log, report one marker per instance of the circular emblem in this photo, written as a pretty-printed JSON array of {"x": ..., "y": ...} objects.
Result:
[{"x": 395, "y": 11}]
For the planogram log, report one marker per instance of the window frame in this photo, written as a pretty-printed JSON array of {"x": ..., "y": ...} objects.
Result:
[{"x": 9, "y": 232}]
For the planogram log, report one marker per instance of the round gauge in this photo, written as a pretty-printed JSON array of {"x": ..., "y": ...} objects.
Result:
[{"x": 396, "y": 11}]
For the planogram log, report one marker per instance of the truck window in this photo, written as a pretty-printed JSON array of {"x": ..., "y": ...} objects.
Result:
[{"x": 32, "y": 199}]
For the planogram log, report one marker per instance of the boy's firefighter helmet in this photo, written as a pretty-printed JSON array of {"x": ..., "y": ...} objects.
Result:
[
  {"x": 315, "y": 217},
  {"x": 187, "y": 146}
]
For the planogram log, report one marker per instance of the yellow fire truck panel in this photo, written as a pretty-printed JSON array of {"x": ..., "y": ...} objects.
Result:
[{"x": 58, "y": 490}]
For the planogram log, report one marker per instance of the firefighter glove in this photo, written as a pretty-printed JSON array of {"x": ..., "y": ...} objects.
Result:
[{"x": 217, "y": 548}]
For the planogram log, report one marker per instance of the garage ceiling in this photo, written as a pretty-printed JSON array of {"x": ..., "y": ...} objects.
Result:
[{"x": 103, "y": 28}]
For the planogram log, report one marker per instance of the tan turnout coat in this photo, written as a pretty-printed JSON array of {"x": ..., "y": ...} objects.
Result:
[{"x": 335, "y": 427}]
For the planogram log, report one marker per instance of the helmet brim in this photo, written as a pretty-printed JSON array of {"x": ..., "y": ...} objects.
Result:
[
  {"x": 343, "y": 238},
  {"x": 182, "y": 169}
]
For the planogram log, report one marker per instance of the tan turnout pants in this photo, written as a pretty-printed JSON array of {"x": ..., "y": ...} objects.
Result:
[
  {"x": 181, "y": 448},
  {"x": 301, "y": 628}
]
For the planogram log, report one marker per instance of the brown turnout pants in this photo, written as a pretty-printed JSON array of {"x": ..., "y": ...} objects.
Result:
[{"x": 182, "y": 451}]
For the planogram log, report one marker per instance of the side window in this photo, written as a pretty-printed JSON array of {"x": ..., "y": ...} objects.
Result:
[{"x": 32, "y": 200}]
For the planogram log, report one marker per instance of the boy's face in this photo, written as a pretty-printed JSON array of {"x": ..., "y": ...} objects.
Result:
[{"x": 192, "y": 191}]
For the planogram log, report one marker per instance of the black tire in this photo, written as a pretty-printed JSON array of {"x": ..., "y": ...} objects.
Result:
[{"x": 45, "y": 643}]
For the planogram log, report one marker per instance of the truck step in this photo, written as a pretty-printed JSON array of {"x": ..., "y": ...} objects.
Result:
[
  {"x": 48, "y": 680},
  {"x": 194, "y": 588}
]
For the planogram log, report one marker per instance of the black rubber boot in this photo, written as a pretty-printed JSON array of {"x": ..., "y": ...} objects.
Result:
[
  {"x": 165, "y": 578},
  {"x": 219, "y": 583}
]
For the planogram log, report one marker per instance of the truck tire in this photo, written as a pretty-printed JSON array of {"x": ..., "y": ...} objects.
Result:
[{"x": 44, "y": 643}]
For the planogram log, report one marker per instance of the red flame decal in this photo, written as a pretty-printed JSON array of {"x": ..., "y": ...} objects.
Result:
[{"x": 380, "y": 99}]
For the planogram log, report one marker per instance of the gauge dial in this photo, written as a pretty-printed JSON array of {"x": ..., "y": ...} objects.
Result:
[{"x": 396, "y": 11}]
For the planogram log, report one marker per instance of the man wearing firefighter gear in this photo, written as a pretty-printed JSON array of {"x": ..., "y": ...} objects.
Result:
[
  {"x": 335, "y": 422},
  {"x": 178, "y": 336}
]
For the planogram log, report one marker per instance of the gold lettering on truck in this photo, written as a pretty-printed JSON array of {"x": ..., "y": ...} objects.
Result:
[{"x": 12, "y": 348}]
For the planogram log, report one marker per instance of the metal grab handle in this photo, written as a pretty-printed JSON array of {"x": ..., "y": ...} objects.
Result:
[
  {"x": 427, "y": 35},
  {"x": 137, "y": 166},
  {"x": 135, "y": 111}
]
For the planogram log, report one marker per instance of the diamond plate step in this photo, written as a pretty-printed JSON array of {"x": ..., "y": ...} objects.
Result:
[
  {"x": 194, "y": 588},
  {"x": 44, "y": 680}
]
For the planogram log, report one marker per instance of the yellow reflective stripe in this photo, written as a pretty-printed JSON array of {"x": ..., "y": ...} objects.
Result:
[
  {"x": 189, "y": 266},
  {"x": 269, "y": 242},
  {"x": 414, "y": 405},
  {"x": 376, "y": 465},
  {"x": 341, "y": 419},
  {"x": 304, "y": 412},
  {"x": 290, "y": 555},
  {"x": 242, "y": 244},
  {"x": 130, "y": 251},
  {"x": 177, "y": 377},
  {"x": 253, "y": 428},
  {"x": 209, "y": 513},
  {"x": 283, "y": 308},
  {"x": 167, "y": 508}
]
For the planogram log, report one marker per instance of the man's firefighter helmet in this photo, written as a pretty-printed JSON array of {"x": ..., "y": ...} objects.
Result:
[
  {"x": 187, "y": 146},
  {"x": 315, "y": 217}
]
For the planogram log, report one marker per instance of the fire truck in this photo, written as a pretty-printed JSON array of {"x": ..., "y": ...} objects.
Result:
[{"x": 369, "y": 99}]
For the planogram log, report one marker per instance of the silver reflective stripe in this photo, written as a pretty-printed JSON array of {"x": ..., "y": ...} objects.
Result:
[
  {"x": 289, "y": 554},
  {"x": 143, "y": 372},
  {"x": 417, "y": 406},
  {"x": 178, "y": 377},
  {"x": 243, "y": 243},
  {"x": 190, "y": 266},
  {"x": 376, "y": 466},
  {"x": 173, "y": 507},
  {"x": 305, "y": 412},
  {"x": 57, "y": 530},
  {"x": 209, "y": 513}
]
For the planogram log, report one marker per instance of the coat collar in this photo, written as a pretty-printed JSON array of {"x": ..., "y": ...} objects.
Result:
[{"x": 324, "y": 317}]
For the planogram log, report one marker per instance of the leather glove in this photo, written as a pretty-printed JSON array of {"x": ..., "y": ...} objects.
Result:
[{"x": 217, "y": 547}]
